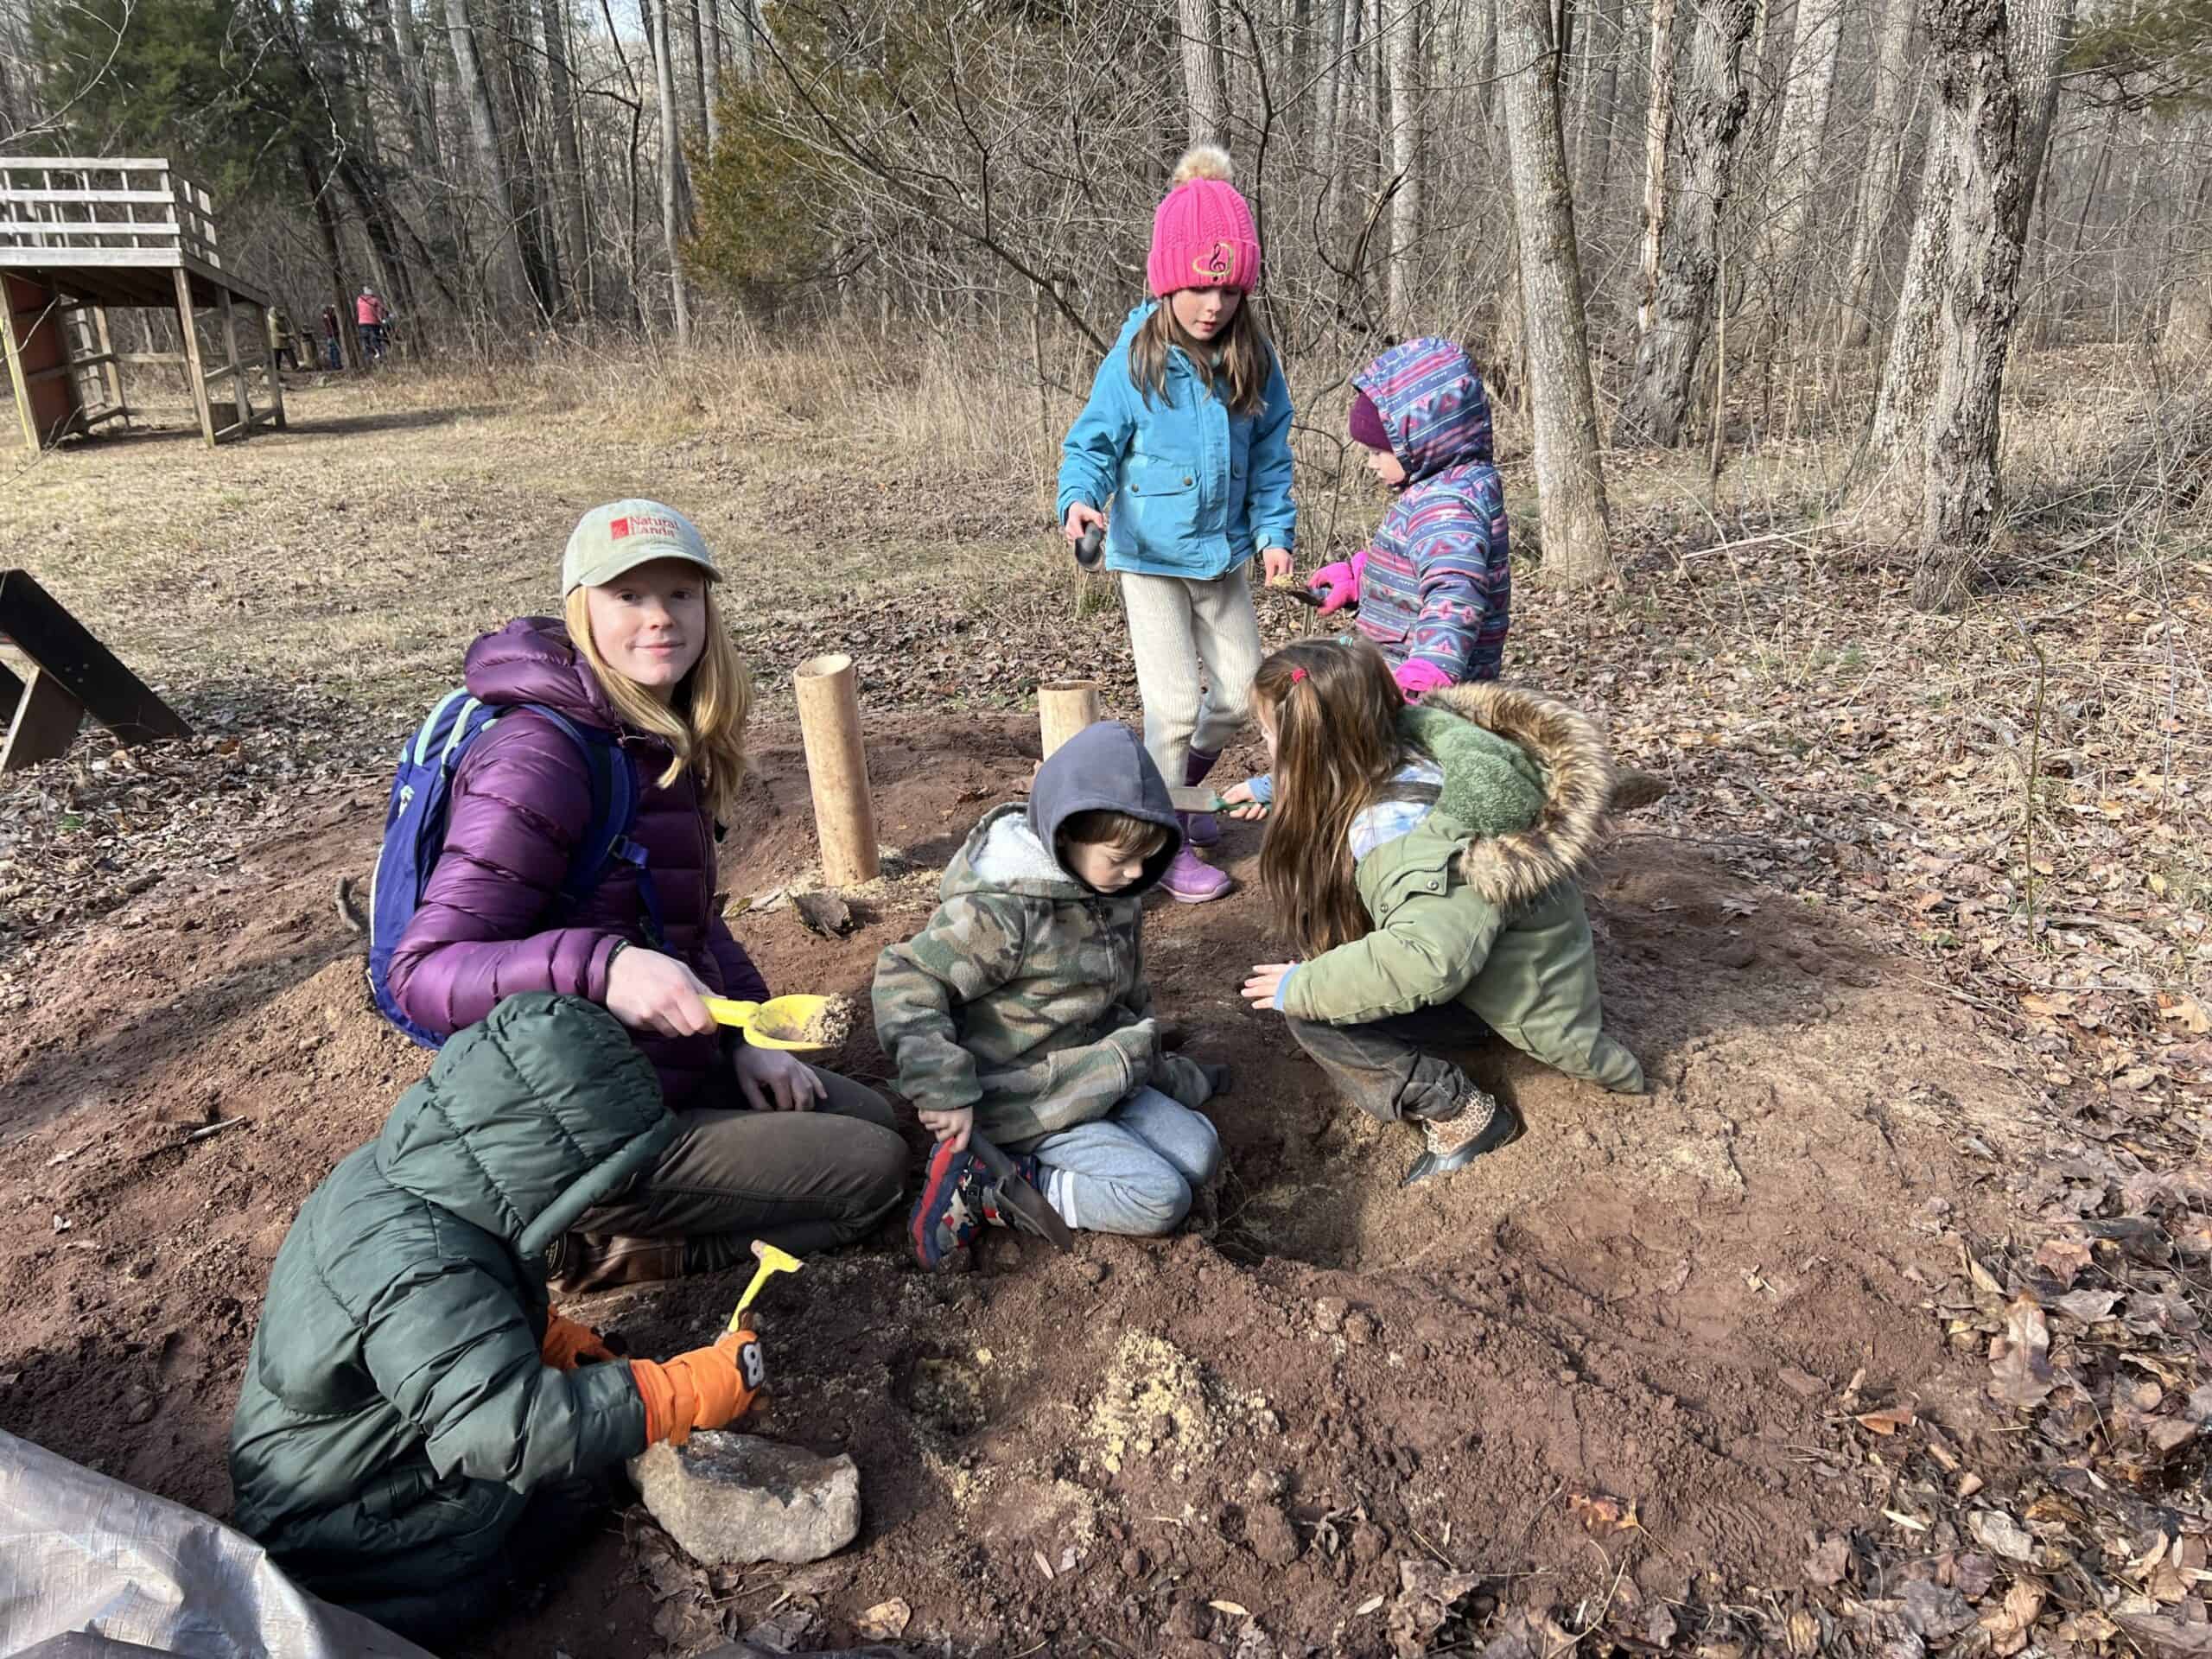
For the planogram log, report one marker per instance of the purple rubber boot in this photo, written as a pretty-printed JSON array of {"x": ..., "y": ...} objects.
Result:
[
  {"x": 1191, "y": 881},
  {"x": 1200, "y": 829}
]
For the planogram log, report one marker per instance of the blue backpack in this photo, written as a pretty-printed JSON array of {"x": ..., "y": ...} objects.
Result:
[{"x": 414, "y": 829}]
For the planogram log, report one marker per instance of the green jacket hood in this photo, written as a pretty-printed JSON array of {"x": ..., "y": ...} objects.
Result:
[
  {"x": 1535, "y": 802},
  {"x": 529, "y": 1118}
]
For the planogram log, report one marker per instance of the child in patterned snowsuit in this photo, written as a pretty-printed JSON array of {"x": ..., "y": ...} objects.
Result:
[{"x": 1434, "y": 591}]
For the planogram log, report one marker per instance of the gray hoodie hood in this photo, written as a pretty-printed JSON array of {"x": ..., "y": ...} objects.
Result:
[{"x": 1104, "y": 768}]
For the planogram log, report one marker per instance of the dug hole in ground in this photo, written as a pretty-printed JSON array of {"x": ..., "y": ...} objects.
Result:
[{"x": 1708, "y": 1369}]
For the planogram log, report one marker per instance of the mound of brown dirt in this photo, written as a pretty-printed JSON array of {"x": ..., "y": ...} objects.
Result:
[{"x": 1603, "y": 1369}]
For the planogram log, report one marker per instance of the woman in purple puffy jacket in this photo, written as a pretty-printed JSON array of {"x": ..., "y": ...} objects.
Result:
[{"x": 768, "y": 1148}]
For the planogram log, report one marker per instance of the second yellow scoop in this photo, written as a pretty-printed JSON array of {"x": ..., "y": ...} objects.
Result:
[{"x": 780, "y": 1022}]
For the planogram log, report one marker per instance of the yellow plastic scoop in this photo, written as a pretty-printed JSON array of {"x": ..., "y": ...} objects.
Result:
[
  {"x": 780, "y": 1022},
  {"x": 772, "y": 1261}
]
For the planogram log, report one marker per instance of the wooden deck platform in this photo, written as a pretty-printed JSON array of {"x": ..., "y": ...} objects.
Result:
[{"x": 81, "y": 236}]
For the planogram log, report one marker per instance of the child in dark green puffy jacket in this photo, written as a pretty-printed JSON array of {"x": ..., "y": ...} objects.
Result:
[
  {"x": 1424, "y": 859},
  {"x": 416, "y": 1434}
]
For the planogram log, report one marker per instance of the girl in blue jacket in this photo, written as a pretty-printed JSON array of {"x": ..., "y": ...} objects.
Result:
[{"x": 1188, "y": 431}]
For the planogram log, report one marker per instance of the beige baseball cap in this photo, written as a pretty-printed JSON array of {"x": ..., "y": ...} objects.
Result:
[{"x": 623, "y": 535}]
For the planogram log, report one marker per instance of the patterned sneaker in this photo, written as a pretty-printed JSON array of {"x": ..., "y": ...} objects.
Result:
[
  {"x": 1481, "y": 1123},
  {"x": 959, "y": 1198},
  {"x": 1191, "y": 881}
]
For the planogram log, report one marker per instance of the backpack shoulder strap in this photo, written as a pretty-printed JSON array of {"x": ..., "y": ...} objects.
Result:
[{"x": 614, "y": 810}]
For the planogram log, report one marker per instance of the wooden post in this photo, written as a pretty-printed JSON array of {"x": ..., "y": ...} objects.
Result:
[
  {"x": 47, "y": 718},
  {"x": 836, "y": 769},
  {"x": 1065, "y": 708},
  {"x": 194, "y": 376},
  {"x": 241, "y": 393},
  {"x": 112, "y": 368},
  {"x": 17, "y": 383}
]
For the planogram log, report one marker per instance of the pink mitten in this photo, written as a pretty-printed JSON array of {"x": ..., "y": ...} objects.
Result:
[
  {"x": 1340, "y": 582},
  {"x": 1417, "y": 678}
]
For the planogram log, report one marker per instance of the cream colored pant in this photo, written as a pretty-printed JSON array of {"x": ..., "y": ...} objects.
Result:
[{"x": 1178, "y": 627}]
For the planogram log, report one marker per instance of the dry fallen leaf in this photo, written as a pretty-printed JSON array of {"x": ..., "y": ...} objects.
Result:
[
  {"x": 1043, "y": 1565},
  {"x": 2000, "y": 1534},
  {"x": 2008, "y": 1625},
  {"x": 885, "y": 1622},
  {"x": 2088, "y": 1305},
  {"x": 2168, "y": 1637},
  {"x": 1230, "y": 1608},
  {"x": 1372, "y": 1605},
  {"x": 1600, "y": 1516},
  {"x": 2063, "y": 1258},
  {"x": 2188, "y": 1013},
  {"x": 1888, "y": 1422},
  {"x": 2020, "y": 1359},
  {"x": 1830, "y": 1560}
]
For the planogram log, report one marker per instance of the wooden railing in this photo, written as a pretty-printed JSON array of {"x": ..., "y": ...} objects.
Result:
[{"x": 81, "y": 206}]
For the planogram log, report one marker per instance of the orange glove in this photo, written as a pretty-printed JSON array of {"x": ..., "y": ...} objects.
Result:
[
  {"x": 568, "y": 1345},
  {"x": 707, "y": 1388}
]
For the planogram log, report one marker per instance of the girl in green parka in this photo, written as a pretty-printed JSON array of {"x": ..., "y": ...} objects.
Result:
[{"x": 1423, "y": 860}]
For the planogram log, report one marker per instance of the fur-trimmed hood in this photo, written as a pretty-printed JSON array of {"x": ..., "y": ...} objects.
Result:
[{"x": 1512, "y": 867}]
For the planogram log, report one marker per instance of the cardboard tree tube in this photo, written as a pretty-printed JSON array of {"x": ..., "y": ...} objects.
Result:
[
  {"x": 836, "y": 769},
  {"x": 1065, "y": 708}
]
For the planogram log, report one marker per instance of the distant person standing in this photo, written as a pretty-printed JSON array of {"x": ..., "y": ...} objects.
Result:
[
  {"x": 278, "y": 324},
  {"x": 370, "y": 313},
  {"x": 330, "y": 326}
]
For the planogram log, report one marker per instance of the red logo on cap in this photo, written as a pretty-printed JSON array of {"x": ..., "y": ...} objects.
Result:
[{"x": 618, "y": 529}]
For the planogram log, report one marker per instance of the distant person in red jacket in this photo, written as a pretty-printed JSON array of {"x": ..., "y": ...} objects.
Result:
[{"x": 370, "y": 313}]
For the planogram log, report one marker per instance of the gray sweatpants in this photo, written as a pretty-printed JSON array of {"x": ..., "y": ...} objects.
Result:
[
  {"x": 1177, "y": 628},
  {"x": 1133, "y": 1171}
]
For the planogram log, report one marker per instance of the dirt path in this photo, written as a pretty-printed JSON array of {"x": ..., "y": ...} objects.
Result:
[{"x": 1652, "y": 1303}]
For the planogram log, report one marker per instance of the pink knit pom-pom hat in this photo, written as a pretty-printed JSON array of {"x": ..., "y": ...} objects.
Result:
[{"x": 1202, "y": 235}]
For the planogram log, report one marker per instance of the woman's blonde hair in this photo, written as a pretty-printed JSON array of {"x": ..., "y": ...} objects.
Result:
[
  {"x": 1239, "y": 378},
  {"x": 703, "y": 724}
]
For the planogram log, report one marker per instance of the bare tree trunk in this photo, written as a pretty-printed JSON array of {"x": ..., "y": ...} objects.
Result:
[
  {"x": 742, "y": 45},
  {"x": 717, "y": 60},
  {"x": 569, "y": 179},
  {"x": 349, "y": 349},
  {"x": 1890, "y": 461},
  {"x": 1604, "y": 110},
  {"x": 2187, "y": 338},
  {"x": 1658, "y": 123},
  {"x": 1328, "y": 78},
  {"x": 1886, "y": 478},
  {"x": 1708, "y": 117},
  {"x": 1351, "y": 17},
  {"x": 1800, "y": 145},
  {"x": 1966, "y": 42},
  {"x": 510, "y": 287},
  {"x": 2040, "y": 33},
  {"x": 397, "y": 35},
  {"x": 702, "y": 90},
  {"x": 1884, "y": 175},
  {"x": 1408, "y": 164},
  {"x": 671, "y": 138},
  {"x": 1205, "y": 70},
  {"x": 1570, "y": 475}
]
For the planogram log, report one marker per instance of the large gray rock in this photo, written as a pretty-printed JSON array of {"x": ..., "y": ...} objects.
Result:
[{"x": 730, "y": 1499}]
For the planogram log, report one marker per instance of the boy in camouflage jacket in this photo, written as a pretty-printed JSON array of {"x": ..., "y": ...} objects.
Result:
[{"x": 1021, "y": 1013}]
